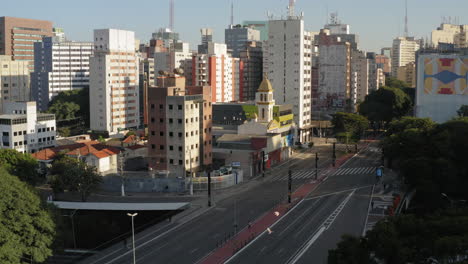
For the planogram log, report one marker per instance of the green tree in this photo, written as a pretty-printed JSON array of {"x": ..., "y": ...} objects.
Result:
[
  {"x": 26, "y": 229},
  {"x": 385, "y": 104},
  {"x": 463, "y": 111},
  {"x": 350, "y": 250},
  {"x": 69, "y": 174},
  {"x": 24, "y": 166},
  {"x": 353, "y": 125},
  {"x": 395, "y": 83},
  {"x": 71, "y": 104}
]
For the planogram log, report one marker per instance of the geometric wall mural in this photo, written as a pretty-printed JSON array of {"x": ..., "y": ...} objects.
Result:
[{"x": 446, "y": 76}]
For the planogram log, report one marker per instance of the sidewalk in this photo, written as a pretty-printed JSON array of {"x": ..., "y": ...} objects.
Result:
[{"x": 384, "y": 199}]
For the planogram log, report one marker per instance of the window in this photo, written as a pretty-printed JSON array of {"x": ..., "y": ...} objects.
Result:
[
  {"x": 152, "y": 121},
  {"x": 161, "y": 147},
  {"x": 180, "y": 162},
  {"x": 161, "y": 120},
  {"x": 180, "y": 134},
  {"x": 15, "y": 134},
  {"x": 16, "y": 143},
  {"x": 153, "y": 146},
  {"x": 161, "y": 134},
  {"x": 191, "y": 120},
  {"x": 186, "y": 134},
  {"x": 171, "y": 161},
  {"x": 6, "y": 134},
  {"x": 179, "y": 121},
  {"x": 170, "y": 107},
  {"x": 161, "y": 106},
  {"x": 180, "y": 148},
  {"x": 171, "y": 147},
  {"x": 171, "y": 134},
  {"x": 191, "y": 133},
  {"x": 152, "y": 106},
  {"x": 171, "y": 120},
  {"x": 161, "y": 160},
  {"x": 191, "y": 106},
  {"x": 153, "y": 133},
  {"x": 179, "y": 107}
]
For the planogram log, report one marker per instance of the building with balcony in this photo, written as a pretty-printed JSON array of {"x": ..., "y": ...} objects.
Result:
[{"x": 25, "y": 130}]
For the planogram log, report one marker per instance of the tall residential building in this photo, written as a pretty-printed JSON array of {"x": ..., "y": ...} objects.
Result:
[
  {"x": 334, "y": 92},
  {"x": 360, "y": 77},
  {"x": 337, "y": 29},
  {"x": 219, "y": 70},
  {"x": 14, "y": 80},
  {"x": 18, "y": 35},
  {"x": 113, "y": 96},
  {"x": 146, "y": 80},
  {"x": 206, "y": 37},
  {"x": 167, "y": 36},
  {"x": 180, "y": 126},
  {"x": 251, "y": 70},
  {"x": 376, "y": 73},
  {"x": 403, "y": 52},
  {"x": 407, "y": 74},
  {"x": 59, "y": 66},
  {"x": 25, "y": 130},
  {"x": 450, "y": 34},
  {"x": 174, "y": 57},
  {"x": 236, "y": 37},
  {"x": 261, "y": 26},
  {"x": 384, "y": 63},
  {"x": 287, "y": 61},
  {"x": 386, "y": 52}
]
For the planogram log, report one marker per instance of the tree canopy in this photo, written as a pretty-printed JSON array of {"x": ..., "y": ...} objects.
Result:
[
  {"x": 353, "y": 124},
  {"x": 71, "y": 104},
  {"x": 385, "y": 104},
  {"x": 463, "y": 111},
  {"x": 24, "y": 166},
  {"x": 70, "y": 174},
  {"x": 26, "y": 229}
]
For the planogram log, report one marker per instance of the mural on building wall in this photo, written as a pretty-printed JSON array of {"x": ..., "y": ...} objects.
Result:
[{"x": 446, "y": 76}]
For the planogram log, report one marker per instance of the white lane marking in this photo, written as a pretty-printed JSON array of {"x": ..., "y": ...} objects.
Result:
[
  {"x": 263, "y": 233},
  {"x": 298, "y": 218},
  {"x": 338, "y": 192},
  {"x": 326, "y": 224}
]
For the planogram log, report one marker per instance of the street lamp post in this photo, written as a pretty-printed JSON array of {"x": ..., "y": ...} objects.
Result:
[
  {"x": 73, "y": 226},
  {"x": 289, "y": 185},
  {"x": 191, "y": 172},
  {"x": 133, "y": 235},
  {"x": 316, "y": 165},
  {"x": 121, "y": 163}
]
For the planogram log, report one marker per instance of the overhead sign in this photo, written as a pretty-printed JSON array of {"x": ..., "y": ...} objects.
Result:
[{"x": 235, "y": 164}]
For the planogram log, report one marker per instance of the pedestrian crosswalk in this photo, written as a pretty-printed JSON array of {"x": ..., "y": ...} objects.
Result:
[
  {"x": 310, "y": 173},
  {"x": 357, "y": 170}
]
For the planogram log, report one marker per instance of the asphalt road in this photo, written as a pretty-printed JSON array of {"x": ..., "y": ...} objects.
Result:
[
  {"x": 191, "y": 241},
  {"x": 338, "y": 206}
]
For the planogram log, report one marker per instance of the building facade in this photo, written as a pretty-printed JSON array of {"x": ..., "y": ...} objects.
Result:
[
  {"x": 114, "y": 96},
  {"x": 180, "y": 126},
  {"x": 250, "y": 71},
  {"x": 237, "y": 37},
  {"x": 219, "y": 70},
  {"x": 287, "y": 61},
  {"x": 18, "y": 35},
  {"x": 442, "y": 85},
  {"x": 261, "y": 26},
  {"x": 175, "y": 57},
  {"x": 14, "y": 80},
  {"x": 146, "y": 80},
  {"x": 25, "y": 130},
  {"x": 407, "y": 74},
  {"x": 59, "y": 66},
  {"x": 450, "y": 34},
  {"x": 403, "y": 52}
]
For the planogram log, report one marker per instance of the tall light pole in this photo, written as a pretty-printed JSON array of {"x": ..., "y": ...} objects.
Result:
[
  {"x": 191, "y": 172},
  {"x": 121, "y": 163},
  {"x": 133, "y": 235}
]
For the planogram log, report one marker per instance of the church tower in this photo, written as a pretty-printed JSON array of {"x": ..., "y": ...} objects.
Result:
[{"x": 264, "y": 101}]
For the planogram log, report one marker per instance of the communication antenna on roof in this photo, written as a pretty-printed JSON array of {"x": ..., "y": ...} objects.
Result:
[
  {"x": 232, "y": 12},
  {"x": 291, "y": 7},
  {"x": 406, "y": 19},
  {"x": 171, "y": 15}
]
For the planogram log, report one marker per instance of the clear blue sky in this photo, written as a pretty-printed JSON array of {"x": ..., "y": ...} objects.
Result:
[{"x": 377, "y": 22}]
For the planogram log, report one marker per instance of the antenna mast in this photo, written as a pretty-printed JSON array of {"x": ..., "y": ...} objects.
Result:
[
  {"x": 232, "y": 12},
  {"x": 291, "y": 7},
  {"x": 171, "y": 15},
  {"x": 406, "y": 19}
]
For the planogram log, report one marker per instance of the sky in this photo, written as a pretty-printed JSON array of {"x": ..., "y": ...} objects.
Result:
[{"x": 376, "y": 22}]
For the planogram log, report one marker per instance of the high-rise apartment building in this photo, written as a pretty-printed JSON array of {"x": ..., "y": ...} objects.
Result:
[
  {"x": 180, "y": 126},
  {"x": 450, "y": 34},
  {"x": 407, "y": 74},
  {"x": 146, "y": 80},
  {"x": 219, "y": 70},
  {"x": 14, "y": 80},
  {"x": 175, "y": 57},
  {"x": 206, "y": 37},
  {"x": 261, "y": 26},
  {"x": 167, "y": 36},
  {"x": 59, "y": 65},
  {"x": 334, "y": 92},
  {"x": 237, "y": 37},
  {"x": 250, "y": 71},
  {"x": 359, "y": 77},
  {"x": 18, "y": 35},
  {"x": 113, "y": 96},
  {"x": 287, "y": 62},
  {"x": 376, "y": 73},
  {"x": 403, "y": 52},
  {"x": 384, "y": 63}
]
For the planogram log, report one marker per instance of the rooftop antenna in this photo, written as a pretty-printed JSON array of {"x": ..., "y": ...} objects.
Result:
[
  {"x": 406, "y": 19},
  {"x": 291, "y": 7},
  {"x": 171, "y": 15},
  {"x": 232, "y": 12}
]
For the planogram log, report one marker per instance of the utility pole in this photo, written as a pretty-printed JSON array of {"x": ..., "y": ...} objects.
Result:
[
  {"x": 121, "y": 163},
  {"x": 209, "y": 189},
  {"x": 334, "y": 154},
  {"x": 289, "y": 184},
  {"x": 235, "y": 216},
  {"x": 133, "y": 236},
  {"x": 191, "y": 172},
  {"x": 316, "y": 165},
  {"x": 263, "y": 164}
]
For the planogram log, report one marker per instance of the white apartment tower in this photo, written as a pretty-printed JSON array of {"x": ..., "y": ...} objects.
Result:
[
  {"x": 114, "y": 80},
  {"x": 403, "y": 52},
  {"x": 59, "y": 66},
  {"x": 287, "y": 62},
  {"x": 14, "y": 80}
]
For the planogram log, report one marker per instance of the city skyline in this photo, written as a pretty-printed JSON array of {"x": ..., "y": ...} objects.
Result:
[{"x": 190, "y": 16}]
